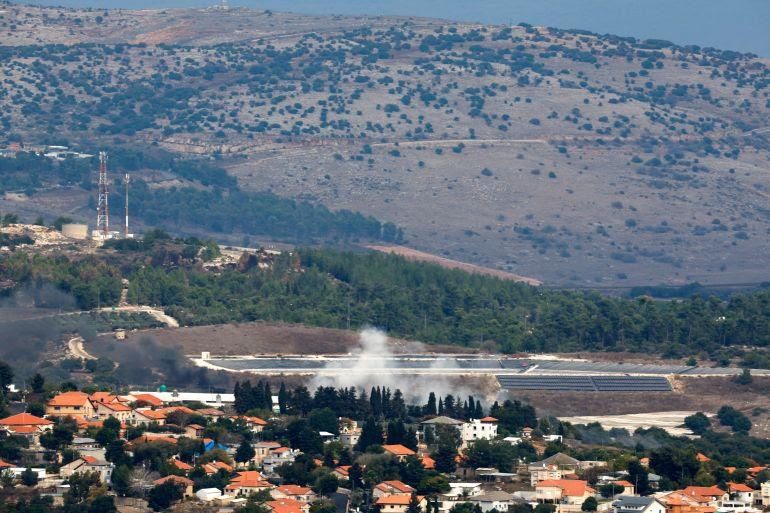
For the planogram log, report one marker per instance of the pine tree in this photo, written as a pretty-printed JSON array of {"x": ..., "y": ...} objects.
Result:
[
  {"x": 371, "y": 434},
  {"x": 414, "y": 505},
  {"x": 440, "y": 407}
]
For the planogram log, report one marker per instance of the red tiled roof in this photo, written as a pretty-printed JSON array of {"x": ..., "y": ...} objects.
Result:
[
  {"x": 293, "y": 490},
  {"x": 344, "y": 470},
  {"x": 148, "y": 398},
  {"x": 428, "y": 463},
  {"x": 397, "y": 500},
  {"x": 704, "y": 491},
  {"x": 116, "y": 406},
  {"x": 247, "y": 474},
  {"x": 397, "y": 485},
  {"x": 702, "y": 457},
  {"x": 488, "y": 419},
  {"x": 69, "y": 399},
  {"x": 4, "y": 464},
  {"x": 22, "y": 429},
  {"x": 181, "y": 465},
  {"x": 738, "y": 487},
  {"x": 248, "y": 483},
  {"x": 285, "y": 506},
  {"x": 398, "y": 450},
  {"x": 623, "y": 483},
  {"x": 209, "y": 411},
  {"x": 152, "y": 414},
  {"x": 24, "y": 419}
]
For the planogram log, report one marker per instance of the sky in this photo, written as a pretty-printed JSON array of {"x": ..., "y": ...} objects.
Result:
[{"x": 742, "y": 25}]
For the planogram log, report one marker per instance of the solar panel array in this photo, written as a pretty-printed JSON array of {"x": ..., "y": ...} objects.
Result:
[
  {"x": 547, "y": 382},
  {"x": 586, "y": 383},
  {"x": 577, "y": 366}
]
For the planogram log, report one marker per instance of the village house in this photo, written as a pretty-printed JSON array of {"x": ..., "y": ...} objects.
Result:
[
  {"x": 633, "y": 504},
  {"x": 147, "y": 416},
  {"x": 479, "y": 429},
  {"x": 393, "y": 487},
  {"x": 399, "y": 451},
  {"x": 342, "y": 472},
  {"x": 26, "y": 425},
  {"x": 349, "y": 432},
  {"x": 144, "y": 400},
  {"x": 741, "y": 493},
  {"x": 70, "y": 404},
  {"x": 262, "y": 451},
  {"x": 287, "y": 506},
  {"x": 253, "y": 424},
  {"x": 117, "y": 410},
  {"x": 85, "y": 464},
  {"x": 541, "y": 472},
  {"x": 298, "y": 493},
  {"x": 278, "y": 457},
  {"x": 497, "y": 500},
  {"x": 398, "y": 503},
  {"x": 194, "y": 430},
  {"x": 566, "y": 494},
  {"x": 711, "y": 495},
  {"x": 764, "y": 494}
]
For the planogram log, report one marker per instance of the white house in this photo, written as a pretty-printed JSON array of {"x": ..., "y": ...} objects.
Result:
[
  {"x": 479, "y": 429},
  {"x": 496, "y": 500},
  {"x": 633, "y": 504}
]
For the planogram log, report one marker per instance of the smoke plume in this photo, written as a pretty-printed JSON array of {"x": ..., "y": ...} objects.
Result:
[{"x": 375, "y": 354}]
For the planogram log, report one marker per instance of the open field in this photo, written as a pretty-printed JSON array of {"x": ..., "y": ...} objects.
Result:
[
  {"x": 671, "y": 421},
  {"x": 276, "y": 338}
]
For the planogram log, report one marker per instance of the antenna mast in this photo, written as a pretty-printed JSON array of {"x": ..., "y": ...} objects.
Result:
[
  {"x": 102, "y": 218},
  {"x": 125, "y": 229}
]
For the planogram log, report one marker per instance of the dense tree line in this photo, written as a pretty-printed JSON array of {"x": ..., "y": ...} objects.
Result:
[{"x": 416, "y": 300}]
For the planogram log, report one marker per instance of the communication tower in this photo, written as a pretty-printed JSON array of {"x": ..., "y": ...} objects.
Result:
[
  {"x": 125, "y": 228},
  {"x": 103, "y": 217}
]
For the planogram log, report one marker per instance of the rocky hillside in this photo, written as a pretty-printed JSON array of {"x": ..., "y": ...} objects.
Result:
[{"x": 576, "y": 158}]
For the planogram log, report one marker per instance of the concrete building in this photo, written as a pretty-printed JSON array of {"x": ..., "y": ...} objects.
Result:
[
  {"x": 86, "y": 464},
  {"x": 70, "y": 404},
  {"x": 497, "y": 500},
  {"x": 633, "y": 504},
  {"x": 479, "y": 429}
]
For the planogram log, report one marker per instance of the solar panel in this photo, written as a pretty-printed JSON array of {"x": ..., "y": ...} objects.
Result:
[{"x": 586, "y": 383}]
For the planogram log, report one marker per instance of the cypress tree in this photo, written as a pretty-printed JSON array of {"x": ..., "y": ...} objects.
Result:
[{"x": 430, "y": 408}]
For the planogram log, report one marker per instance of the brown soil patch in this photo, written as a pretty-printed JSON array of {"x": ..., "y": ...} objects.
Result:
[
  {"x": 277, "y": 338},
  {"x": 421, "y": 256}
]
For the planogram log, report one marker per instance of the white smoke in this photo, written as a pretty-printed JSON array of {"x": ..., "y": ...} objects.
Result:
[{"x": 373, "y": 359}]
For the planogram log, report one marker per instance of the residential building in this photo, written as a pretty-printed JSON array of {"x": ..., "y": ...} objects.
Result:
[
  {"x": 26, "y": 425},
  {"x": 194, "y": 430},
  {"x": 278, "y": 457},
  {"x": 479, "y": 429},
  {"x": 741, "y": 493},
  {"x": 349, "y": 432},
  {"x": 262, "y": 451},
  {"x": 253, "y": 424},
  {"x": 399, "y": 451},
  {"x": 85, "y": 464},
  {"x": 70, "y": 404},
  {"x": 497, "y": 500},
  {"x": 287, "y": 506},
  {"x": 117, "y": 410},
  {"x": 563, "y": 491},
  {"x": 398, "y": 503},
  {"x": 388, "y": 488},
  {"x": 764, "y": 494},
  {"x": 711, "y": 495},
  {"x": 542, "y": 472},
  {"x": 342, "y": 472},
  {"x": 298, "y": 493},
  {"x": 146, "y": 416},
  {"x": 633, "y": 504}
]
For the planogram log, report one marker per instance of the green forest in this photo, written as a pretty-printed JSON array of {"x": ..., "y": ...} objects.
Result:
[{"x": 413, "y": 300}]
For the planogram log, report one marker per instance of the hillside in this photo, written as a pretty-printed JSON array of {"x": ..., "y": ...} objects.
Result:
[{"x": 573, "y": 158}]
